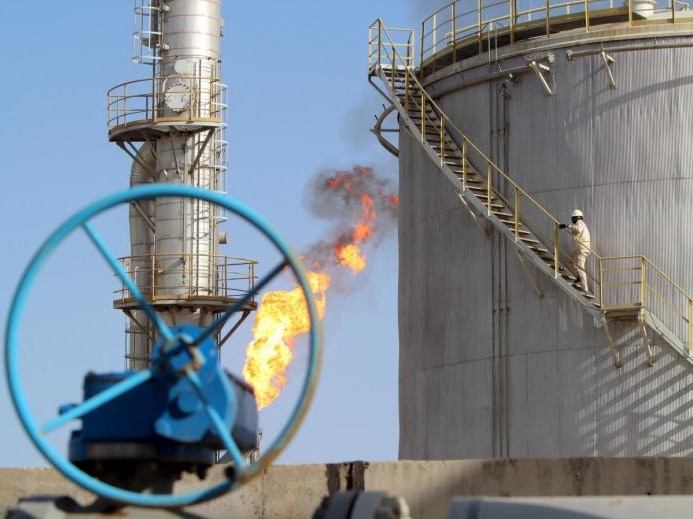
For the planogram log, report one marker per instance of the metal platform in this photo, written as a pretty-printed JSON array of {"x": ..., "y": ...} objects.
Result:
[
  {"x": 150, "y": 129},
  {"x": 211, "y": 303}
]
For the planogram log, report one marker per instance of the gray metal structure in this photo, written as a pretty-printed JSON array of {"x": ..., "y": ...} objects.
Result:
[
  {"x": 172, "y": 124},
  {"x": 495, "y": 359}
]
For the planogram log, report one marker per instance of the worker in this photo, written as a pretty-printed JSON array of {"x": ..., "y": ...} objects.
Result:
[{"x": 581, "y": 248}]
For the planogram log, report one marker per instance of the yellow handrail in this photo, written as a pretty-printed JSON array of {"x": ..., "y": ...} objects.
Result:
[
  {"x": 650, "y": 289},
  {"x": 143, "y": 100},
  {"x": 655, "y": 289},
  {"x": 188, "y": 274},
  {"x": 451, "y": 26}
]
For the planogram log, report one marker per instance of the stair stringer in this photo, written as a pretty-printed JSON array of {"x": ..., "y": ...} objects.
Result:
[
  {"x": 480, "y": 207},
  {"x": 656, "y": 325}
]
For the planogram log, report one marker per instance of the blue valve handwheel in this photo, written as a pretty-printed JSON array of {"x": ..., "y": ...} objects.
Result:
[{"x": 37, "y": 433}]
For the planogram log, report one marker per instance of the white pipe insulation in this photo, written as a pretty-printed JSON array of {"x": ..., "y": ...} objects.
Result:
[
  {"x": 141, "y": 249},
  {"x": 186, "y": 231}
]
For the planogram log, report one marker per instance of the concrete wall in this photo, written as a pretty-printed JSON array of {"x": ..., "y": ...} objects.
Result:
[
  {"x": 489, "y": 368},
  {"x": 295, "y": 491}
]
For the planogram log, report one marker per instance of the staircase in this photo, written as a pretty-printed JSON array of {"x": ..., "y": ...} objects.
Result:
[{"x": 627, "y": 288}]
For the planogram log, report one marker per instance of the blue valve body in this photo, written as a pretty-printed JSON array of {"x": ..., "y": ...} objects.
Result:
[{"x": 165, "y": 418}]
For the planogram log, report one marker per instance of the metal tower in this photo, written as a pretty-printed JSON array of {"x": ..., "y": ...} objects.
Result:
[
  {"x": 172, "y": 124},
  {"x": 510, "y": 117}
]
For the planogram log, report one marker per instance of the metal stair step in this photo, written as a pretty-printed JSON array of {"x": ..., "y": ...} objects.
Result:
[
  {"x": 471, "y": 173},
  {"x": 543, "y": 253},
  {"x": 529, "y": 239},
  {"x": 498, "y": 209},
  {"x": 472, "y": 181},
  {"x": 506, "y": 216},
  {"x": 623, "y": 313},
  {"x": 453, "y": 161},
  {"x": 431, "y": 120},
  {"x": 480, "y": 193},
  {"x": 520, "y": 228}
]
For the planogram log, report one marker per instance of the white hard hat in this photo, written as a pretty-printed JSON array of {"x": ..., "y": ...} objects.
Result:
[{"x": 577, "y": 212}]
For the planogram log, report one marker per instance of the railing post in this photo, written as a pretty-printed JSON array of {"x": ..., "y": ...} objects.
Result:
[
  {"x": 464, "y": 163},
  {"x": 547, "y": 20},
  {"x": 601, "y": 282},
  {"x": 555, "y": 249},
  {"x": 454, "y": 33},
  {"x": 489, "y": 185},
  {"x": 478, "y": 21},
  {"x": 513, "y": 14},
  {"x": 630, "y": 13},
  {"x": 517, "y": 213},
  {"x": 152, "y": 278},
  {"x": 434, "y": 33},
  {"x": 442, "y": 142},
  {"x": 587, "y": 15},
  {"x": 380, "y": 42},
  {"x": 422, "y": 45},
  {"x": 406, "y": 92},
  {"x": 642, "y": 281},
  {"x": 155, "y": 98},
  {"x": 251, "y": 280},
  {"x": 125, "y": 104},
  {"x": 690, "y": 326},
  {"x": 423, "y": 116}
]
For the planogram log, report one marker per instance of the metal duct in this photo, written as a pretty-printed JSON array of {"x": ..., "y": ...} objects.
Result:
[{"x": 141, "y": 245}]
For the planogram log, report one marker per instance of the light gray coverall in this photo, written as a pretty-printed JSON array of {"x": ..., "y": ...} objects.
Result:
[{"x": 581, "y": 249}]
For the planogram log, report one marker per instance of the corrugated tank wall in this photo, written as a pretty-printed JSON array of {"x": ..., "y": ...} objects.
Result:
[{"x": 487, "y": 366}]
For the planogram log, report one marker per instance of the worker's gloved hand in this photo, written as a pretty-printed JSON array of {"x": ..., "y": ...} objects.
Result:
[{"x": 562, "y": 226}]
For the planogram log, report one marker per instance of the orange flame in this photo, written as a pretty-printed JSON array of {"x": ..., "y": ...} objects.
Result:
[
  {"x": 350, "y": 256},
  {"x": 282, "y": 316}
]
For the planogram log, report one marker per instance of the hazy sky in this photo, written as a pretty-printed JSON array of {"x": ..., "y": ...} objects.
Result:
[{"x": 299, "y": 105}]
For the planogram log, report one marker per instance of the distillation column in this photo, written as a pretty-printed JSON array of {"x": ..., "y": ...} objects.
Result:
[{"x": 177, "y": 116}]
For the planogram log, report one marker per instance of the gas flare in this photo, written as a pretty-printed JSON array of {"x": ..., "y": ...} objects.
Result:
[
  {"x": 281, "y": 317},
  {"x": 362, "y": 209},
  {"x": 350, "y": 257}
]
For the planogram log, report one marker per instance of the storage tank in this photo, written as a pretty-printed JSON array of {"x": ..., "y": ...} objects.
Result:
[{"x": 581, "y": 105}]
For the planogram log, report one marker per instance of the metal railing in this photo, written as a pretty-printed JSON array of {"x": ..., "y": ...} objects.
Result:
[
  {"x": 148, "y": 36},
  {"x": 404, "y": 44},
  {"x": 647, "y": 287},
  {"x": 144, "y": 101},
  {"x": 205, "y": 275},
  {"x": 635, "y": 281},
  {"x": 460, "y": 24}
]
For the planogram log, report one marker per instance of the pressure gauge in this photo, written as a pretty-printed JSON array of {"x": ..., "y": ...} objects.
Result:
[{"x": 177, "y": 97}]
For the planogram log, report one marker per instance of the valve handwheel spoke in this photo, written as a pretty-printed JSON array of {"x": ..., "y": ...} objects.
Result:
[
  {"x": 217, "y": 423},
  {"x": 127, "y": 280},
  {"x": 221, "y": 320},
  {"x": 243, "y": 472},
  {"x": 98, "y": 400}
]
